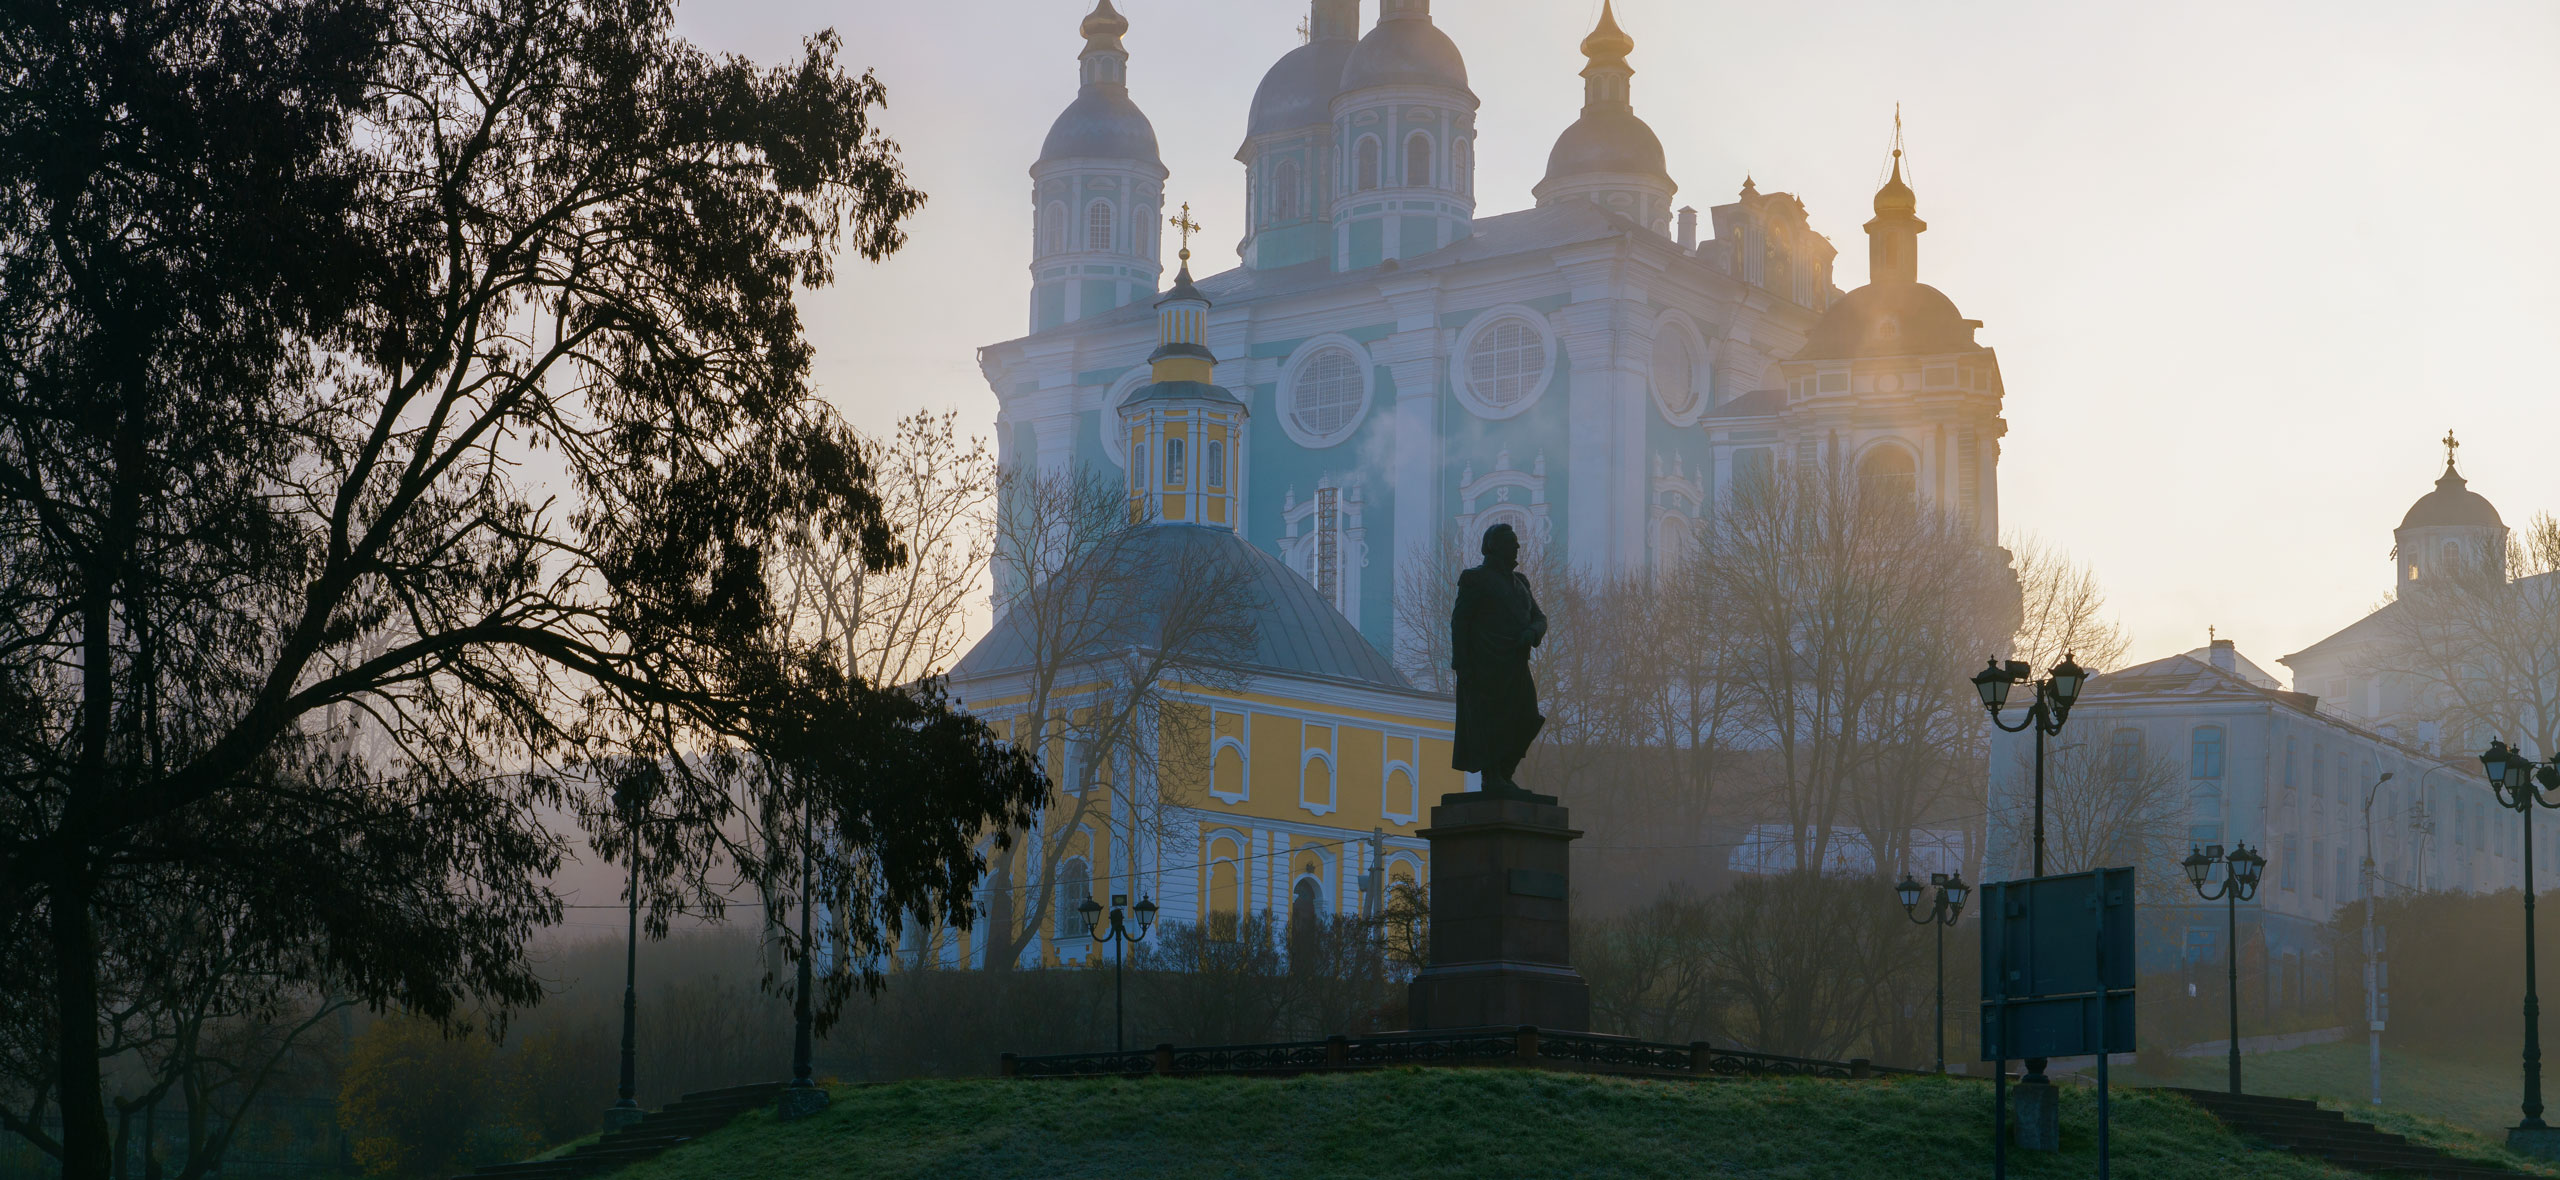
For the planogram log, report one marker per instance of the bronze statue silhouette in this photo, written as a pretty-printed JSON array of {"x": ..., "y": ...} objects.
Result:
[{"x": 1494, "y": 625}]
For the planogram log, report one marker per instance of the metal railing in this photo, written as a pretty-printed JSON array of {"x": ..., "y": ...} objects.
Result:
[{"x": 1525, "y": 1046}]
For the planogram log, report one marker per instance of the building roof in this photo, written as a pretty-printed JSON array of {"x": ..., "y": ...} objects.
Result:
[
  {"x": 1296, "y": 632},
  {"x": 1101, "y": 124},
  {"x": 1405, "y": 51},
  {"x": 1299, "y": 90},
  {"x": 2452, "y": 503},
  {"x": 2187, "y": 676},
  {"x": 1890, "y": 319},
  {"x": 1611, "y": 140}
]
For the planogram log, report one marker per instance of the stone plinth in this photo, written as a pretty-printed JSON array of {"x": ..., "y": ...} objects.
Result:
[
  {"x": 2540, "y": 1142},
  {"x": 2035, "y": 1116},
  {"x": 1501, "y": 885}
]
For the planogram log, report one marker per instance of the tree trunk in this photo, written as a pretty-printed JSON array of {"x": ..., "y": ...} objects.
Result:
[{"x": 85, "y": 1154}]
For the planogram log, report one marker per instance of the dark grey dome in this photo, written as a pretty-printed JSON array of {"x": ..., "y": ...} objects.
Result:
[
  {"x": 1405, "y": 51},
  {"x": 1101, "y": 124},
  {"x": 1295, "y": 631},
  {"x": 1608, "y": 140},
  {"x": 2453, "y": 502},
  {"x": 1298, "y": 92},
  {"x": 1890, "y": 319}
]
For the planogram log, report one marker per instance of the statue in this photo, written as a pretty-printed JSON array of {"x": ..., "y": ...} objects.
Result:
[{"x": 1492, "y": 629}]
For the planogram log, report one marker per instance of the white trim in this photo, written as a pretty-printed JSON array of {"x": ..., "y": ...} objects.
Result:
[
  {"x": 1701, "y": 369},
  {"x": 1462, "y": 365},
  {"x": 1332, "y": 766},
  {"x": 1113, "y": 444},
  {"x": 1244, "y": 755},
  {"x": 1387, "y": 773},
  {"x": 1287, "y": 400}
]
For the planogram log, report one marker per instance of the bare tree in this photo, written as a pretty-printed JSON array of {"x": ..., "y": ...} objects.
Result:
[
  {"x": 1852, "y": 617},
  {"x": 2477, "y": 651},
  {"x": 2104, "y": 806},
  {"x": 1108, "y": 619},
  {"x": 2063, "y": 610}
]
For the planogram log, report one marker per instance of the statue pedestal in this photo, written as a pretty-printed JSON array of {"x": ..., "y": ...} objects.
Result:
[{"x": 1500, "y": 898}]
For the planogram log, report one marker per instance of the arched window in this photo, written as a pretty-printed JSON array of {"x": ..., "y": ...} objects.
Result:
[
  {"x": 1306, "y": 898},
  {"x": 1417, "y": 160},
  {"x": 2452, "y": 560},
  {"x": 1462, "y": 163},
  {"x": 1097, "y": 226},
  {"x": 1364, "y": 169},
  {"x": 1053, "y": 228},
  {"x": 1399, "y": 795},
  {"x": 1174, "y": 468},
  {"x": 1889, "y": 479},
  {"x": 1284, "y": 191},
  {"x": 2205, "y": 752},
  {"x": 1142, "y": 235},
  {"x": 1214, "y": 465},
  {"x": 1075, "y": 885}
]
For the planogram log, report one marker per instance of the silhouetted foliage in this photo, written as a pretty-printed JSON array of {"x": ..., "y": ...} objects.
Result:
[{"x": 398, "y": 404}]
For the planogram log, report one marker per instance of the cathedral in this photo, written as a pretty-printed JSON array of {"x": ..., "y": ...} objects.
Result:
[{"x": 1392, "y": 369}]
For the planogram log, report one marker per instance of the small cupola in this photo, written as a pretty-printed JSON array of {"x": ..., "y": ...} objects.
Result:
[
  {"x": 1609, "y": 156},
  {"x": 2450, "y": 534},
  {"x": 1185, "y": 434}
]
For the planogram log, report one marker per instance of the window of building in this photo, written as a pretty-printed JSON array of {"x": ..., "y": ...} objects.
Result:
[
  {"x": 1417, "y": 160},
  {"x": 1507, "y": 364},
  {"x": 2288, "y": 763},
  {"x": 2284, "y": 872},
  {"x": 1462, "y": 162},
  {"x": 2319, "y": 868},
  {"x": 1075, "y": 884},
  {"x": 1364, "y": 169},
  {"x": 1174, "y": 467},
  {"x": 1327, "y": 397},
  {"x": 2204, "y": 806},
  {"x": 1097, "y": 226},
  {"x": 2201, "y": 941},
  {"x": 1755, "y": 472},
  {"x": 1889, "y": 479},
  {"x": 1284, "y": 191},
  {"x": 1675, "y": 369},
  {"x": 1053, "y": 229},
  {"x": 2205, "y": 755},
  {"x": 2124, "y": 754},
  {"x": 1214, "y": 464}
]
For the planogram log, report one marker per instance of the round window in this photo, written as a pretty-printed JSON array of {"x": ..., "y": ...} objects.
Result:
[
  {"x": 1675, "y": 378},
  {"x": 1325, "y": 400},
  {"x": 1507, "y": 365}
]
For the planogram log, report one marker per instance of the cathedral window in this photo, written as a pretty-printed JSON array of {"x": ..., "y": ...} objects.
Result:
[
  {"x": 1053, "y": 229},
  {"x": 2124, "y": 755},
  {"x": 1889, "y": 480},
  {"x": 1417, "y": 160},
  {"x": 1327, "y": 396},
  {"x": 1284, "y": 191},
  {"x": 1075, "y": 884},
  {"x": 1675, "y": 370},
  {"x": 1315, "y": 770},
  {"x": 1214, "y": 465},
  {"x": 1462, "y": 163},
  {"x": 1174, "y": 467},
  {"x": 1097, "y": 226},
  {"x": 1507, "y": 363},
  {"x": 1364, "y": 169}
]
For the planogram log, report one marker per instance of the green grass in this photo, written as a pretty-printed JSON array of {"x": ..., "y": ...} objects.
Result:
[
  {"x": 2461, "y": 1106},
  {"x": 1451, "y": 1123}
]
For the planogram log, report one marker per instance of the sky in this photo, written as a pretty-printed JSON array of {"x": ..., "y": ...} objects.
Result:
[{"x": 2245, "y": 262}]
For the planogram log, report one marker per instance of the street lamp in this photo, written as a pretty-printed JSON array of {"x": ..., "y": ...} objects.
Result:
[
  {"x": 2512, "y": 781},
  {"x": 1944, "y": 909},
  {"x": 2242, "y": 870},
  {"x": 1118, "y": 935},
  {"x": 631, "y": 798},
  {"x": 2054, "y": 696}
]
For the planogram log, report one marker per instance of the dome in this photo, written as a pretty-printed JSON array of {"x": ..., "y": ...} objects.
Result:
[
  {"x": 1890, "y": 319},
  {"x": 1896, "y": 197},
  {"x": 1608, "y": 140},
  {"x": 1101, "y": 124},
  {"x": 2452, "y": 503},
  {"x": 1405, "y": 52},
  {"x": 1299, "y": 90},
  {"x": 1295, "y": 631}
]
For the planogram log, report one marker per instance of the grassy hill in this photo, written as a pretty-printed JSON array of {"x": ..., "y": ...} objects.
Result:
[
  {"x": 2478, "y": 1095},
  {"x": 1460, "y": 1123}
]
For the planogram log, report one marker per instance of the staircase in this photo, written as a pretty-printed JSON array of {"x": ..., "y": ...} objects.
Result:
[
  {"x": 683, "y": 1119},
  {"x": 2302, "y": 1128}
]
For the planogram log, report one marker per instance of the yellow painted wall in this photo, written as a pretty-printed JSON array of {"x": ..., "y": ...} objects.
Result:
[{"x": 1362, "y": 763}]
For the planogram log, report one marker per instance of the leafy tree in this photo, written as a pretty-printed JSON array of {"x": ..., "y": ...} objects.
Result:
[{"x": 399, "y": 402}]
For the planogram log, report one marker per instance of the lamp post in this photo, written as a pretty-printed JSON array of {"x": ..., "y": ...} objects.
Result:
[
  {"x": 2513, "y": 780},
  {"x": 1944, "y": 909},
  {"x": 631, "y": 798},
  {"x": 2054, "y": 696},
  {"x": 1118, "y": 936},
  {"x": 2372, "y": 975},
  {"x": 2242, "y": 870}
]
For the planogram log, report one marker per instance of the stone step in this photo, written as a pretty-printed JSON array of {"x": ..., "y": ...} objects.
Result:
[
  {"x": 687, "y": 1118},
  {"x": 2301, "y": 1127}
]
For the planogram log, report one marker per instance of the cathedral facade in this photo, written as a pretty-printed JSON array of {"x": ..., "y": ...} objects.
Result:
[{"x": 1392, "y": 369}]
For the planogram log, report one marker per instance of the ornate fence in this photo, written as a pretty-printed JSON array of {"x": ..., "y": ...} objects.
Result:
[{"x": 1524, "y": 1047}]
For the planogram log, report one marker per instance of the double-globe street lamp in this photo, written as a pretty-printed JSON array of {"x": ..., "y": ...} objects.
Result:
[
  {"x": 631, "y": 798},
  {"x": 2054, "y": 696},
  {"x": 1118, "y": 936},
  {"x": 2242, "y": 870},
  {"x": 2518, "y": 783},
  {"x": 1944, "y": 909}
]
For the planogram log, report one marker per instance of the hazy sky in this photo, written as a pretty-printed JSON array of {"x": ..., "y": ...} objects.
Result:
[{"x": 2244, "y": 262}]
